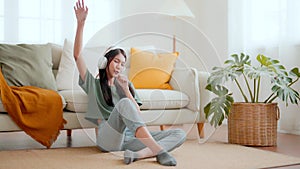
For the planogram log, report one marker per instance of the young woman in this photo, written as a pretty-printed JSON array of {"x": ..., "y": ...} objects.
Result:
[{"x": 114, "y": 107}]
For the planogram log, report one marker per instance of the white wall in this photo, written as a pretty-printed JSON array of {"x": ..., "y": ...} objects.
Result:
[
  {"x": 201, "y": 41},
  {"x": 211, "y": 18}
]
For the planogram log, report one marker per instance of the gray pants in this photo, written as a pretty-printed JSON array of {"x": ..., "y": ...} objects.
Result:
[{"x": 117, "y": 133}]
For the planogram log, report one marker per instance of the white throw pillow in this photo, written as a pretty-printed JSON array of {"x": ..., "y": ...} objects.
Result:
[{"x": 67, "y": 75}]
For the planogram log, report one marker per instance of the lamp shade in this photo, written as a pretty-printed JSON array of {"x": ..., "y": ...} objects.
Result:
[{"x": 167, "y": 7}]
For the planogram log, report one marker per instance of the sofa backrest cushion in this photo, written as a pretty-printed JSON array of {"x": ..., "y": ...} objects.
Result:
[
  {"x": 56, "y": 51},
  {"x": 67, "y": 66},
  {"x": 150, "y": 70},
  {"x": 27, "y": 65}
]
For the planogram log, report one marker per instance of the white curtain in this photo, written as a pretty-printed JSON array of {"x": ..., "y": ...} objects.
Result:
[
  {"x": 42, "y": 21},
  {"x": 272, "y": 28}
]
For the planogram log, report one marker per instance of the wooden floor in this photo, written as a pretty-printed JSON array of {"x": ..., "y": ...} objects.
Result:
[{"x": 286, "y": 144}]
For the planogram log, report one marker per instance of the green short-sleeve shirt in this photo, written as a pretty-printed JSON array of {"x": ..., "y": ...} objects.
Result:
[{"x": 97, "y": 107}]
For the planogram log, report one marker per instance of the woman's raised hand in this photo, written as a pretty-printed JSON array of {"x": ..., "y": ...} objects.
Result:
[{"x": 81, "y": 11}]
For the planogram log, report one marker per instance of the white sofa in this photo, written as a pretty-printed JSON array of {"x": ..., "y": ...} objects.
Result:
[{"x": 183, "y": 105}]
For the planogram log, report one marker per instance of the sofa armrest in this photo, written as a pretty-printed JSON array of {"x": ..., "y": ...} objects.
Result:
[
  {"x": 186, "y": 80},
  {"x": 205, "y": 95}
]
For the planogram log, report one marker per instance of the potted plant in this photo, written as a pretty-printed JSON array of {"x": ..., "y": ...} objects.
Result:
[{"x": 248, "y": 121}]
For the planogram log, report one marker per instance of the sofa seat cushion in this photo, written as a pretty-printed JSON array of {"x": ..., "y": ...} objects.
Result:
[
  {"x": 151, "y": 98},
  {"x": 3, "y": 110},
  {"x": 162, "y": 99},
  {"x": 76, "y": 100}
]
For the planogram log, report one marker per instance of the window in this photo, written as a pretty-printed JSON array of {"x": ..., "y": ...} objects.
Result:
[
  {"x": 257, "y": 24},
  {"x": 1, "y": 20},
  {"x": 42, "y": 21},
  {"x": 272, "y": 28},
  {"x": 265, "y": 21}
]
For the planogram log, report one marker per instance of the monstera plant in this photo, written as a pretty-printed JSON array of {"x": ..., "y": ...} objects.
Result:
[{"x": 248, "y": 79}]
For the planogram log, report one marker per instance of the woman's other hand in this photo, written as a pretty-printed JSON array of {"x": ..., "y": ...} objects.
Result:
[
  {"x": 81, "y": 11},
  {"x": 123, "y": 81}
]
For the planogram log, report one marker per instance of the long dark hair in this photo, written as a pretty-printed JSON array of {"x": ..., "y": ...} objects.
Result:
[{"x": 110, "y": 55}]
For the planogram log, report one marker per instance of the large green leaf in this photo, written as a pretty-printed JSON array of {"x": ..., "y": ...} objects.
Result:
[
  {"x": 219, "y": 107},
  {"x": 221, "y": 75},
  {"x": 233, "y": 69},
  {"x": 271, "y": 64},
  {"x": 285, "y": 92},
  {"x": 217, "y": 89},
  {"x": 257, "y": 72},
  {"x": 295, "y": 72},
  {"x": 238, "y": 61}
]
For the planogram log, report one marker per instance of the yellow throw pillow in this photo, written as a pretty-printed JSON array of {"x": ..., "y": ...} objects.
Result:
[{"x": 151, "y": 71}]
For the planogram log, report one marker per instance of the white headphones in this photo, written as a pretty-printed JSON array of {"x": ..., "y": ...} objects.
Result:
[{"x": 102, "y": 62}]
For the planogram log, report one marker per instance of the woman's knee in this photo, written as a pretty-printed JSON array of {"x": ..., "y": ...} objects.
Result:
[
  {"x": 180, "y": 134},
  {"x": 125, "y": 104},
  {"x": 180, "y": 137},
  {"x": 125, "y": 101}
]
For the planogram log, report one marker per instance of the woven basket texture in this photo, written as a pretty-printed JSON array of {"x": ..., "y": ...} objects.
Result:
[{"x": 253, "y": 124}]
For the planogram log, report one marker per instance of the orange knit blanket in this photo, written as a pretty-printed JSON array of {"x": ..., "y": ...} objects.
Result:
[{"x": 38, "y": 112}]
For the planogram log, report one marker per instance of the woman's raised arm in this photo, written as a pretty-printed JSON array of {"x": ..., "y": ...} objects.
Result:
[{"x": 81, "y": 12}]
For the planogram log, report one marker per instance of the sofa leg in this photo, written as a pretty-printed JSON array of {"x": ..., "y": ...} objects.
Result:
[
  {"x": 200, "y": 129},
  {"x": 69, "y": 132},
  {"x": 162, "y": 127}
]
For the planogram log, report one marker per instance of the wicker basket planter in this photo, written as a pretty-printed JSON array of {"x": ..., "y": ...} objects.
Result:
[{"x": 253, "y": 124}]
